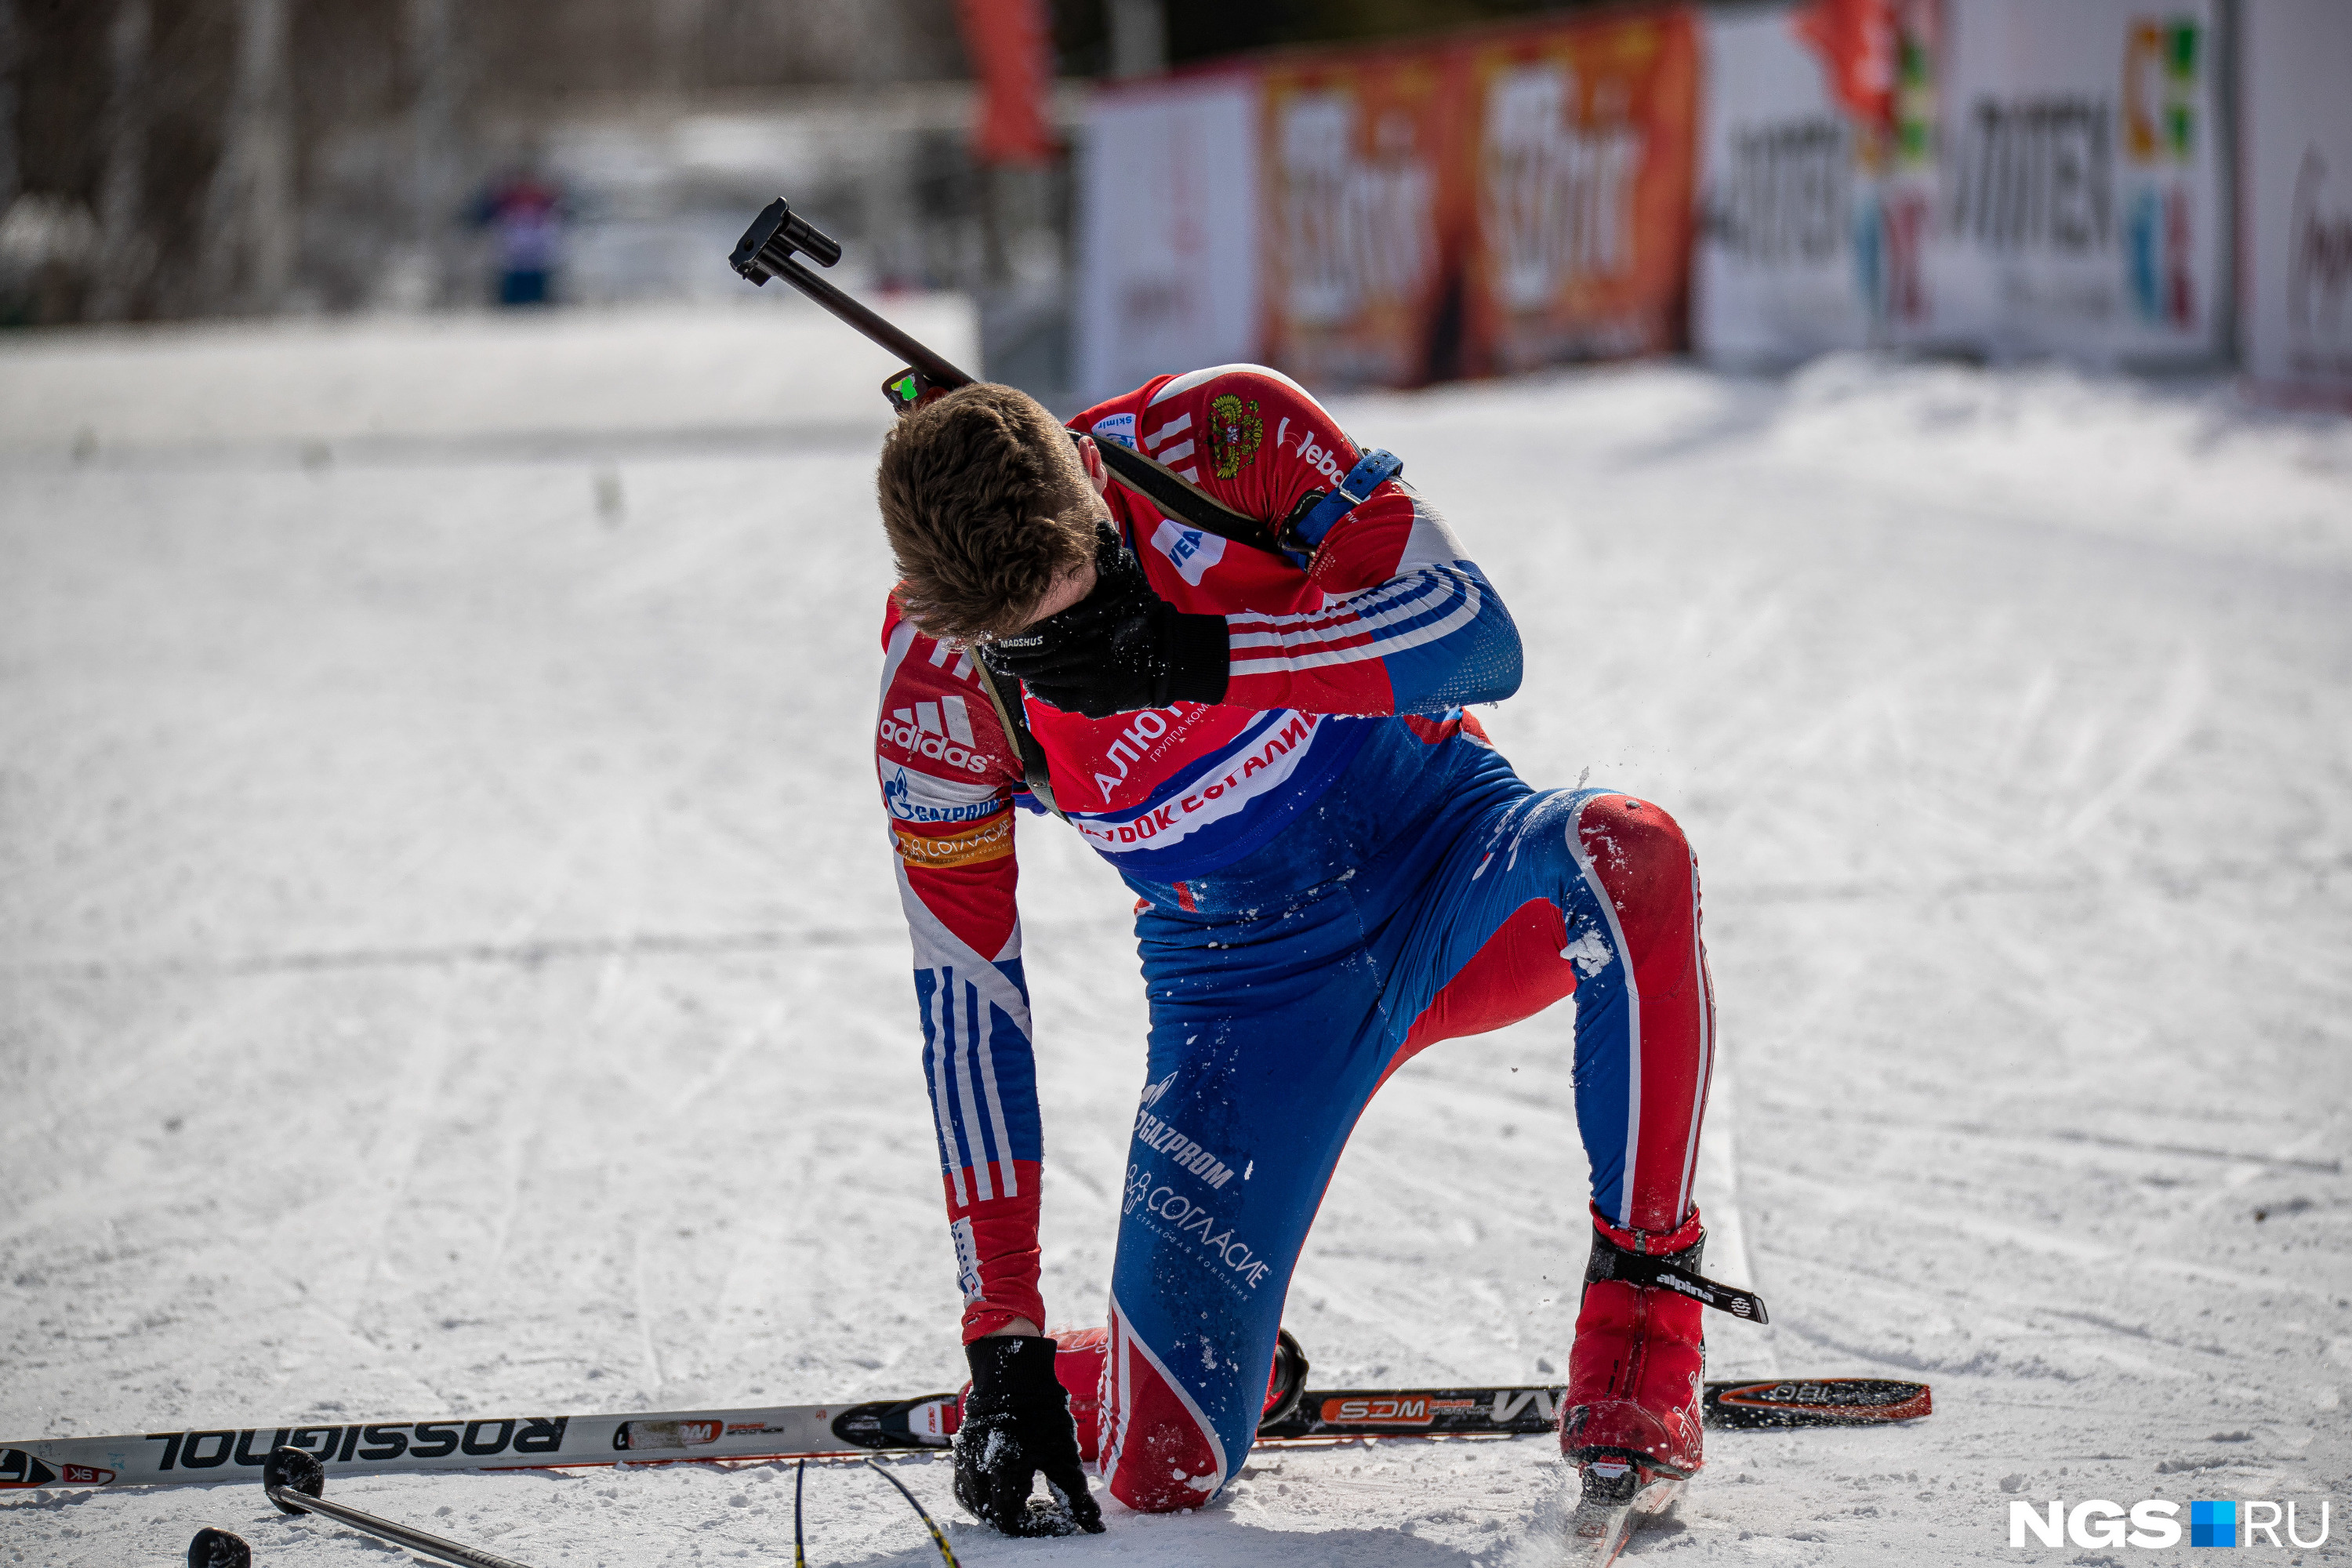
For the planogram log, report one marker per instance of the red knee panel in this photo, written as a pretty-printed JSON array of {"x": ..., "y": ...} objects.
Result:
[
  {"x": 1515, "y": 973},
  {"x": 1157, "y": 1454},
  {"x": 1646, "y": 866},
  {"x": 1080, "y": 1356}
]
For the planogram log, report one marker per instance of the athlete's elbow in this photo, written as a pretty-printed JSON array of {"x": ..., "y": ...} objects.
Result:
[{"x": 1499, "y": 662}]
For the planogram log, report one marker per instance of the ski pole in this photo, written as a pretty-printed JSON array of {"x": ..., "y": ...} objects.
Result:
[
  {"x": 293, "y": 1479},
  {"x": 800, "y": 1544},
  {"x": 939, "y": 1536}
]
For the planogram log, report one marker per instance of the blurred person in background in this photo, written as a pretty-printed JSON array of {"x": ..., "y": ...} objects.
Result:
[{"x": 525, "y": 214}]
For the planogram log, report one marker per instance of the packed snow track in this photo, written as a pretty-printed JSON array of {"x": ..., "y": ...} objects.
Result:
[{"x": 449, "y": 960}]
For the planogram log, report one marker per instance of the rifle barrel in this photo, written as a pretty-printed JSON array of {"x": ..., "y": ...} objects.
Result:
[{"x": 936, "y": 370}]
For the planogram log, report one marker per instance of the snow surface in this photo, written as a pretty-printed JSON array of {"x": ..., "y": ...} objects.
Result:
[{"x": 449, "y": 960}]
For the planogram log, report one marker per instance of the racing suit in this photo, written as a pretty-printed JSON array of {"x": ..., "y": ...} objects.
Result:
[{"x": 1333, "y": 868}]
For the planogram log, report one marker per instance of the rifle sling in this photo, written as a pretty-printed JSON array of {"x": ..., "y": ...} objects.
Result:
[
  {"x": 1016, "y": 729},
  {"x": 1167, "y": 490}
]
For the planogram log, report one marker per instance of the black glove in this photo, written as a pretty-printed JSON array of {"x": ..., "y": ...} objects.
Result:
[
  {"x": 1120, "y": 648},
  {"x": 1016, "y": 1424}
]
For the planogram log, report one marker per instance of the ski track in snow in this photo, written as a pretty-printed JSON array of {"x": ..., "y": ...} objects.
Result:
[{"x": 449, "y": 963}]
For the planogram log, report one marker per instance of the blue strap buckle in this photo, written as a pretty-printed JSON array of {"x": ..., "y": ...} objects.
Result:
[{"x": 1373, "y": 470}]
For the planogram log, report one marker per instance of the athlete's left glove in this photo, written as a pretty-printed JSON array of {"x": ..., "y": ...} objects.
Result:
[
  {"x": 1120, "y": 648},
  {"x": 1016, "y": 1425}
]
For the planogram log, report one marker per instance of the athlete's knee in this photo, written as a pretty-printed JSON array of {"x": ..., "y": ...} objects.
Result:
[
  {"x": 1643, "y": 861},
  {"x": 1162, "y": 1466},
  {"x": 1155, "y": 1451}
]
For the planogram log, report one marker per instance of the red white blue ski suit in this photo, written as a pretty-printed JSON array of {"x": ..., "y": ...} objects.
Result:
[{"x": 1334, "y": 869}]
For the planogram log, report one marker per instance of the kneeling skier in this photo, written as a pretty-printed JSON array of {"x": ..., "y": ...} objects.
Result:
[{"x": 1334, "y": 869}]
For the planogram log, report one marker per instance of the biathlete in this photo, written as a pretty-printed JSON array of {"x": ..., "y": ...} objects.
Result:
[{"x": 1333, "y": 868}]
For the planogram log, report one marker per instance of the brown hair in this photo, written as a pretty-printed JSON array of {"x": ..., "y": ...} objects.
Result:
[{"x": 985, "y": 504}]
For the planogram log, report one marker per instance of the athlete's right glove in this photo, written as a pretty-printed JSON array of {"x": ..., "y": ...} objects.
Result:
[
  {"x": 1120, "y": 648},
  {"x": 1016, "y": 1425}
]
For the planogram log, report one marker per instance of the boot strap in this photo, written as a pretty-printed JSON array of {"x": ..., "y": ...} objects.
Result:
[{"x": 1611, "y": 1261}]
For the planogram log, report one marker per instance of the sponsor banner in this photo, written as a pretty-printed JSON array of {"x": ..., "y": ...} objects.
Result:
[
  {"x": 1362, "y": 203},
  {"x": 1168, "y": 239},
  {"x": 1580, "y": 166},
  {"x": 1815, "y": 179},
  {"x": 2081, "y": 207},
  {"x": 2296, "y": 60}
]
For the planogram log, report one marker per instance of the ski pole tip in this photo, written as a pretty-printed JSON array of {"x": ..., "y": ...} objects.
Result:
[
  {"x": 218, "y": 1549},
  {"x": 292, "y": 1469}
]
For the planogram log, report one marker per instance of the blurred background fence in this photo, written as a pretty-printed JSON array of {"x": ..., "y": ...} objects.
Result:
[{"x": 1387, "y": 192}]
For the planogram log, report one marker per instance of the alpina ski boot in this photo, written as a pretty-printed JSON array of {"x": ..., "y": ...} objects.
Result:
[{"x": 1630, "y": 1418}]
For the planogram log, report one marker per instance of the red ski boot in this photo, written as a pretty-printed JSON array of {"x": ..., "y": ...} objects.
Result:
[{"x": 1630, "y": 1418}]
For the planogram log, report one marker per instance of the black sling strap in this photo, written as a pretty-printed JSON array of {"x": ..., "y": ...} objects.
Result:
[
  {"x": 1165, "y": 488},
  {"x": 1017, "y": 728}
]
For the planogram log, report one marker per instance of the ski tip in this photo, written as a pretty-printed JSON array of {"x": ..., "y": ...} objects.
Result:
[
  {"x": 218, "y": 1549},
  {"x": 1815, "y": 1402}
]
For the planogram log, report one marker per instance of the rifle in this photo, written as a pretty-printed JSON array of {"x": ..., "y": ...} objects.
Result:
[
  {"x": 779, "y": 237},
  {"x": 773, "y": 248}
]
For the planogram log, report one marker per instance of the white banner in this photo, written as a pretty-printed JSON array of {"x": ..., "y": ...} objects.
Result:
[
  {"x": 2082, "y": 208},
  {"x": 1168, "y": 248},
  {"x": 2296, "y": 115},
  {"x": 1777, "y": 276}
]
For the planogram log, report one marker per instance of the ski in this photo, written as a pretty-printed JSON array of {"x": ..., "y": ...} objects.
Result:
[
  {"x": 483, "y": 1443},
  {"x": 1814, "y": 1402},
  {"x": 1525, "y": 1411},
  {"x": 198, "y": 1457}
]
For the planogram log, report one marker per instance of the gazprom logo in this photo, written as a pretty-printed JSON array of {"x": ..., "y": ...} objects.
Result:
[{"x": 2154, "y": 1523}]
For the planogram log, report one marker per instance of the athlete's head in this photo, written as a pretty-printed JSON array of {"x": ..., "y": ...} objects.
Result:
[{"x": 988, "y": 506}]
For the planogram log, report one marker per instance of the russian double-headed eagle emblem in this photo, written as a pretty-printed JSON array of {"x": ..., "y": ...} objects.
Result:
[{"x": 1234, "y": 431}]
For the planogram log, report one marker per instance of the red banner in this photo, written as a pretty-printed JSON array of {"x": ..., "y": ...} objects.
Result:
[
  {"x": 1012, "y": 49},
  {"x": 1856, "y": 42},
  {"x": 1582, "y": 170},
  {"x": 1362, "y": 200}
]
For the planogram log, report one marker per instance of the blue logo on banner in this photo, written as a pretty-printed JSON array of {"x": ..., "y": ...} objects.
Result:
[{"x": 2213, "y": 1524}]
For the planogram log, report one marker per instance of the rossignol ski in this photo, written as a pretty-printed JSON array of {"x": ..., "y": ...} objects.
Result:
[{"x": 198, "y": 1457}]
